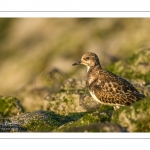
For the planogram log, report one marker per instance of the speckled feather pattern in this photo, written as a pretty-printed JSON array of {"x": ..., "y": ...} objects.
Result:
[
  {"x": 106, "y": 87},
  {"x": 112, "y": 89}
]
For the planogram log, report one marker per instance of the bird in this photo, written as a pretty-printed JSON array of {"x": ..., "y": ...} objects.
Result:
[{"x": 106, "y": 87}]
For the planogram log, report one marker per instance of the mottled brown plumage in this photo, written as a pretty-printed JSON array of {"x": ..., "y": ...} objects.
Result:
[{"x": 106, "y": 87}]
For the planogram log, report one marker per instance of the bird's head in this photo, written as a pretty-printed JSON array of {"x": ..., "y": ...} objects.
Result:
[{"x": 89, "y": 59}]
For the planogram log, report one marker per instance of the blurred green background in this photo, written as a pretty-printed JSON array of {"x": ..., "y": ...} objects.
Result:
[{"x": 30, "y": 46}]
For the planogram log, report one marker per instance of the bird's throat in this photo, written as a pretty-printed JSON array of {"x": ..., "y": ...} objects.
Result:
[{"x": 88, "y": 68}]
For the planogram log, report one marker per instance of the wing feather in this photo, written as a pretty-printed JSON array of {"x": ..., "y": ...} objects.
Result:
[{"x": 112, "y": 89}]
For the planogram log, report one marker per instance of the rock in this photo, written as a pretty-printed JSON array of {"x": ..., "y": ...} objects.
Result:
[
  {"x": 88, "y": 118},
  {"x": 73, "y": 85},
  {"x": 63, "y": 103},
  {"x": 10, "y": 106},
  {"x": 137, "y": 67},
  {"x": 54, "y": 78},
  {"x": 134, "y": 118},
  {"x": 72, "y": 98},
  {"x": 88, "y": 103},
  {"x": 40, "y": 121},
  {"x": 48, "y": 121},
  {"x": 98, "y": 127},
  {"x": 33, "y": 99},
  {"x": 32, "y": 95},
  {"x": 6, "y": 125}
]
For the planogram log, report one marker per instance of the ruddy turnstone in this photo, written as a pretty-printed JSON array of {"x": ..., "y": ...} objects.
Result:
[{"x": 106, "y": 87}]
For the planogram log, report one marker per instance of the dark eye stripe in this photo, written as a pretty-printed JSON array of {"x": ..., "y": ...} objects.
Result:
[{"x": 87, "y": 58}]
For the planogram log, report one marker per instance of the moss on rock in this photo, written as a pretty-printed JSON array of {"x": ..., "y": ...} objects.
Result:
[
  {"x": 136, "y": 67},
  {"x": 53, "y": 79},
  {"x": 135, "y": 117},
  {"x": 97, "y": 127},
  {"x": 43, "y": 121},
  {"x": 73, "y": 97},
  {"x": 72, "y": 85},
  {"x": 32, "y": 94},
  {"x": 87, "y": 119},
  {"x": 63, "y": 103},
  {"x": 10, "y": 106},
  {"x": 48, "y": 121}
]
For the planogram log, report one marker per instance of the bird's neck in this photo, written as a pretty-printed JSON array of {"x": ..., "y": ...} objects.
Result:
[
  {"x": 97, "y": 66},
  {"x": 92, "y": 73}
]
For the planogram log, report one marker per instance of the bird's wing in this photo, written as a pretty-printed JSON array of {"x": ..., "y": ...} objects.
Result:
[{"x": 110, "y": 88}]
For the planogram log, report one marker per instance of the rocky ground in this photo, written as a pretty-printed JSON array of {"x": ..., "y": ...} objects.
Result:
[{"x": 54, "y": 102}]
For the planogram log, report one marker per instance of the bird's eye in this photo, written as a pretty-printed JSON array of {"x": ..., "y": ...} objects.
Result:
[{"x": 87, "y": 58}]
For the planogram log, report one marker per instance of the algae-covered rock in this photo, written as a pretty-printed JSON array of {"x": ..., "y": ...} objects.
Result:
[
  {"x": 6, "y": 125},
  {"x": 63, "y": 103},
  {"x": 10, "y": 106},
  {"x": 135, "y": 117},
  {"x": 73, "y": 97},
  {"x": 38, "y": 121},
  {"x": 54, "y": 78},
  {"x": 87, "y": 119},
  {"x": 42, "y": 121},
  {"x": 32, "y": 95},
  {"x": 136, "y": 67},
  {"x": 98, "y": 127},
  {"x": 74, "y": 85},
  {"x": 33, "y": 99},
  {"x": 48, "y": 121}
]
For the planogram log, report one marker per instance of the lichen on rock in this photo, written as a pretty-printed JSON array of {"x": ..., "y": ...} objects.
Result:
[
  {"x": 97, "y": 127},
  {"x": 134, "y": 118},
  {"x": 10, "y": 106},
  {"x": 73, "y": 97},
  {"x": 42, "y": 121},
  {"x": 87, "y": 119},
  {"x": 137, "y": 67}
]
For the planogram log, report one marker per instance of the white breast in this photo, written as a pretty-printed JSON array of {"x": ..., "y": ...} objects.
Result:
[{"x": 94, "y": 96}]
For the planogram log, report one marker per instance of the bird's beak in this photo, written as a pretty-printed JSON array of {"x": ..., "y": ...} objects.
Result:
[{"x": 77, "y": 63}]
